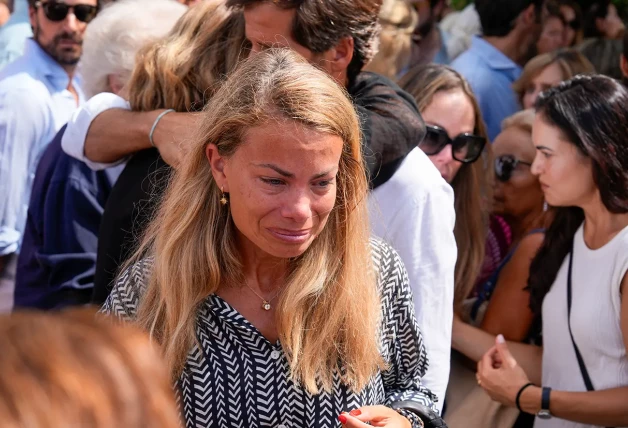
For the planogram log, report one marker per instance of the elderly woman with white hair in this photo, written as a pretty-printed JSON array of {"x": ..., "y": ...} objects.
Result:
[{"x": 57, "y": 261}]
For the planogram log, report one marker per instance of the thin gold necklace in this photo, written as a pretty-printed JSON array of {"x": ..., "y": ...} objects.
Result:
[{"x": 265, "y": 303}]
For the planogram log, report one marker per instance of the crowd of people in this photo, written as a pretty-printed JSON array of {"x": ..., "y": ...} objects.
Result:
[{"x": 313, "y": 213}]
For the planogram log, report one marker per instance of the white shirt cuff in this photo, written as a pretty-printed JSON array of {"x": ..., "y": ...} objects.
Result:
[{"x": 73, "y": 142}]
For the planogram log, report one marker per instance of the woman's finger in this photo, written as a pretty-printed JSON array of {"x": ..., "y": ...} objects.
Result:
[{"x": 350, "y": 421}]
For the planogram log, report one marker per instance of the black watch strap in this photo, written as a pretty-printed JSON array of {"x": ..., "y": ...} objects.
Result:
[{"x": 545, "y": 398}]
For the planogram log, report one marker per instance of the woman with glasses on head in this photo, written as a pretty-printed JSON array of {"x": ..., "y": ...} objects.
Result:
[{"x": 455, "y": 140}]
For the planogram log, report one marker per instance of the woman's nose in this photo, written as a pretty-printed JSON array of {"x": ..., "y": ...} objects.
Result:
[{"x": 297, "y": 206}]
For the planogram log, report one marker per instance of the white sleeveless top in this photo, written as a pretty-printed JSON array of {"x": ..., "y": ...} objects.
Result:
[{"x": 595, "y": 322}]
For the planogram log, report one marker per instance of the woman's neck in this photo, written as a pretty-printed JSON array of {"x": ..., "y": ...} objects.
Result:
[
  {"x": 601, "y": 225},
  {"x": 261, "y": 270}
]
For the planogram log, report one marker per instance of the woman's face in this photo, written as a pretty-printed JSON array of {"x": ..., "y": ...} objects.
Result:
[
  {"x": 281, "y": 183},
  {"x": 566, "y": 176},
  {"x": 452, "y": 111},
  {"x": 552, "y": 36},
  {"x": 521, "y": 194},
  {"x": 549, "y": 77},
  {"x": 570, "y": 17}
]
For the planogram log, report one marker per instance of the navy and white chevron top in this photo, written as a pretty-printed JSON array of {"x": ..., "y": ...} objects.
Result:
[{"x": 240, "y": 379}]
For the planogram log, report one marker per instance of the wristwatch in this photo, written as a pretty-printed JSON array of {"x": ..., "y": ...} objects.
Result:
[{"x": 544, "y": 413}]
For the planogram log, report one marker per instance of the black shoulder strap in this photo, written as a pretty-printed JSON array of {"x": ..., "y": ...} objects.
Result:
[{"x": 583, "y": 367}]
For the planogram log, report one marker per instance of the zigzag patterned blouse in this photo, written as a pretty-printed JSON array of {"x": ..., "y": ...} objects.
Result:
[{"x": 239, "y": 379}]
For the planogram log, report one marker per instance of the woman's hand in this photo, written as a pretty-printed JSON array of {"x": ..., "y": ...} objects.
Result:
[
  {"x": 500, "y": 375},
  {"x": 377, "y": 416}
]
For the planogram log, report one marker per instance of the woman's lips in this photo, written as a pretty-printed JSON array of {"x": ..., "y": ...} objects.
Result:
[{"x": 291, "y": 236}]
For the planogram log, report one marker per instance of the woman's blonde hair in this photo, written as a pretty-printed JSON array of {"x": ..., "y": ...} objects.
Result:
[
  {"x": 77, "y": 370},
  {"x": 570, "y": 61},
  {"x": 398, "y": 20},
  {"x": 328, "y": 313},
  {"x": 523, "y": 120},
  {"x": 473, "y": 182},
  {"x": 114, "y": 37},
  {"x": 183, "y": 70}
]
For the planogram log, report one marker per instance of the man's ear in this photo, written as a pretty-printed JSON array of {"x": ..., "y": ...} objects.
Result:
[
  {"x": 528, "y": 16},
  {"x": 623, "y": 64},
  {"x": 339, "y": 57},
  {"x": 217, "y": 164},
  {"x": 32, "y": 16}
]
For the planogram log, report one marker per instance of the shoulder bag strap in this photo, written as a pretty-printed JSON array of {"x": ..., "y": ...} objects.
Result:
[{"x": 583, "y": 367}]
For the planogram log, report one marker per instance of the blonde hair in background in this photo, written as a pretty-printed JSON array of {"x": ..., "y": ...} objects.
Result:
[
  {"x": 523, "y": 120},
  {"x": 329, "y": 310},
  {"x": 570, "y": 61},
  {"x": 472, "y": 185},
  {"x": 398, "y": 20},
  {"x": 74, "y": 369},
  {"x": 183, "y": 70},
  {"x": 113, "y": 38}
]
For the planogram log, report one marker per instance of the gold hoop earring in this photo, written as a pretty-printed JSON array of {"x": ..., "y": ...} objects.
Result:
[{"x": 223, "y": 200}]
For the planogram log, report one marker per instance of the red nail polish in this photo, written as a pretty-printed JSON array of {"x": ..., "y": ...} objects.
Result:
[
  {"x": 355, "y": 412},
  {"x": 342, "y": 419}
]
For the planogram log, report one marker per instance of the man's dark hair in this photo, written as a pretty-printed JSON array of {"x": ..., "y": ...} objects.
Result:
[
  {"x": 9, "y": 4},
  {"x": 320, "y": 24},
  {"x": 498, "y": 16},
  {"x": 599, "y": 9},
  {"x": 32, "y": 3}
]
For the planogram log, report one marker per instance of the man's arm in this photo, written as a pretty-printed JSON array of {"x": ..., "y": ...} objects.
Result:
[
  {"x": 391, "y": 124},
  {"x": 103, "y": 132}
]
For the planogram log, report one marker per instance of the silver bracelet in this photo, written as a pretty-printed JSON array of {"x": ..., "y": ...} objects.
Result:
[{"x": 152, "y": 130}]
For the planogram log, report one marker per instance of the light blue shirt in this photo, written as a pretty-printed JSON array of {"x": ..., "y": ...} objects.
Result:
[
  {"x": 14, "y": 33},
  {"x": 491, "y": 75},
  {"x": 34, "y": 105}
]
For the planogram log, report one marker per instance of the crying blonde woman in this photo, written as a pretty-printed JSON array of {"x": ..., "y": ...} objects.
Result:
[{"x": 257, "y": 276}]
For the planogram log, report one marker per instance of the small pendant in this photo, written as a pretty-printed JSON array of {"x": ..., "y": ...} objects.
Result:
[{"x": 266, "y": 305}]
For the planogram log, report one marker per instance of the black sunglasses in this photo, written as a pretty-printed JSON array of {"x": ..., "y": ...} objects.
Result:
[
  {"x": 59, "y": 11},
  {"x": 465, "y": 148},
  {"x": 505, "y": 165}
]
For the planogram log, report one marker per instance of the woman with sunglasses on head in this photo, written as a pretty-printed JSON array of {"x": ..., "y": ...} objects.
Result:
[
  {"x": 579, "y": 278},
  {"x": 455, "y": 140}
]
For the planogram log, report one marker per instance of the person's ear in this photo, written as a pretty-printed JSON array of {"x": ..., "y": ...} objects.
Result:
[
  {"x": 339, "y": 57},
  {"x": 623, "y": 64},
  {"x": 217, "y": 165},
  {"x": 32, "y": 16},
  {"x": 528, "y": 16},
  {"x": 114, "y": 81}
]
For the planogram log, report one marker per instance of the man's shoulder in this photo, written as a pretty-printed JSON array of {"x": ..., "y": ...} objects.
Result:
[
  {"x": 22, "y": 89},
  {"x": 416, "y": 176}
]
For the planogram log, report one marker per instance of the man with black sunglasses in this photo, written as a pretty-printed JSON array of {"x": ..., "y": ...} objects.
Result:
[{"x": 38, "y": 94}]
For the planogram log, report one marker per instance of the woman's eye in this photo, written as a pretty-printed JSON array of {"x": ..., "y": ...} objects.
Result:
[
  {"x": 272, "y": 181},
  {"x": 324, "y": 183}
]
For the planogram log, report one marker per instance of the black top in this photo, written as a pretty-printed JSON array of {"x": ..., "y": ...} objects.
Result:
[
  {"x": 235, "y": 377},
  {"x": 391, "y": 127}
]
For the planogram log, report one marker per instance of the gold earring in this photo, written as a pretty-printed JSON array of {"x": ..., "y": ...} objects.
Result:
[{"x": 223, "y": 200}]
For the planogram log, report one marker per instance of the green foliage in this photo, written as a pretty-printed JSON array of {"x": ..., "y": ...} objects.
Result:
[{"x": 460, "y": 4}]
